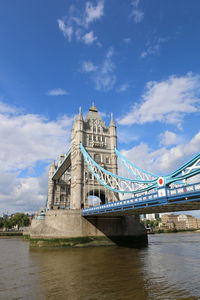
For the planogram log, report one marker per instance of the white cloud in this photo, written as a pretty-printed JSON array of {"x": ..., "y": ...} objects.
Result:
[
  {"x": 88, "y": 66},
  {"x": 124, "y": 87},
  {"x": 57, "y": 92},
  {"x": 89, "y": 38},
  {"x": 137, "y": 14},
  {"x": 4, "y": 108},
  {"x": 77, "y": 22},
  {"x": 169, "y": 138},
  {"x": 22, "y": 194},
  {"x": 103, "y": 75},
  {"x": 153, "y": 48},
  {"x": 163, "y": 160},
  {"x": 26, "y": 140},
  {"x": 166, "y": 101},
  {"x": 66, "y": 29},
  {"x": 93, "y": 13},
  {"x": 127, "y": 40},
  {"x": 126, "y": 136}
]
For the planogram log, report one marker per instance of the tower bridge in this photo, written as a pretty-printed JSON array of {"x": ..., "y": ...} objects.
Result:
[{"x": 93, "y": 190}]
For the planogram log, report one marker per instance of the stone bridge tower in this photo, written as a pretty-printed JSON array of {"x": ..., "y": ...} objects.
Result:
[
  {"x": 70, "y": 184},
  {"x": 100, "y": 141},
  {"x": 70, "y": 189}
]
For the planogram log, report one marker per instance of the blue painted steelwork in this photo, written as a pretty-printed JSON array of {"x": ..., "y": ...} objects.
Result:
[
  {"x": 95, "y": 167},
  {"x": 164, "y": 196},
  {"x": 127, "y": 162},
  {"x": 85, "y": 154},
  {"x": 179, "y": 175},
  {"x": 186, "y": 171}
]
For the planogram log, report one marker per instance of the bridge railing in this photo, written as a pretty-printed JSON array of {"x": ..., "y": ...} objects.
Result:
[{"x": 161, "y": 197}]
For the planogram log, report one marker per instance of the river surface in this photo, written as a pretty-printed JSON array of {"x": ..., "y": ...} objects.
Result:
[{"x": 169, "y": 268}]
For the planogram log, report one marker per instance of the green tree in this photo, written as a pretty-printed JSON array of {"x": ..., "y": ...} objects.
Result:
[
  {"x": 1, "y": 222},
  {"x": 8, "y": 223},
  {"x": 20, "y": 219}
]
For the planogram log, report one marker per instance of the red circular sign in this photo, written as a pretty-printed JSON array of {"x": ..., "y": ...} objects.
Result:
[{"x": 161, "y": 181}]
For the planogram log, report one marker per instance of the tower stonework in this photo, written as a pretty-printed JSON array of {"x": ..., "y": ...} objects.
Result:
[
  {"x": 71, "y": 186},
  {"x": 73, "y": 189},
  {"x": 99, "y": 141}
]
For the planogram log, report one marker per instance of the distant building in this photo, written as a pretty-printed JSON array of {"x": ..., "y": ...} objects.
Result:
[
  {"x": 179, "y": 222},
  {"x": 150, "y": 216}
]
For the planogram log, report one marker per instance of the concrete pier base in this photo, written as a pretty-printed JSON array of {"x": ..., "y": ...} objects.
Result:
[{"x": 80, "y": 231}]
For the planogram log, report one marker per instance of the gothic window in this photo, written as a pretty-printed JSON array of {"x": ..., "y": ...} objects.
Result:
[
  {"x": 97, "y": 158},
  {"x": 62, "y": 188},
  {"x": 107, "y": 160},
  {"x": 62, "y": 198},
  {"x": 94, "y": 128},
  {"x": 99, "y": 138},
  {"x": 90, "y": 137},
  {"x": 99, "y": 129}
]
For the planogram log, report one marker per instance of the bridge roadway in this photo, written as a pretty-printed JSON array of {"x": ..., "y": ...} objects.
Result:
[{"x": 181, "y": 198}]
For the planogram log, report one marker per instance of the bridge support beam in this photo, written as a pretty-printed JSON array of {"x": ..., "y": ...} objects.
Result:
[{"x": 91, "y": 231}]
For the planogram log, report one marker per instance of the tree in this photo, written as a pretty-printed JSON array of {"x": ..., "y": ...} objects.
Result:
[
  {"x": 1, "y": 222},
  {"x": 20, "y": 220}
]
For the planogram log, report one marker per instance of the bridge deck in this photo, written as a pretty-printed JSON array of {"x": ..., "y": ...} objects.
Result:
[{"x": 166, "y": 200}]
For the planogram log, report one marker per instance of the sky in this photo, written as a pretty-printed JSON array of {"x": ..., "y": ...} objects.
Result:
[{"x": 138, "y": 59}]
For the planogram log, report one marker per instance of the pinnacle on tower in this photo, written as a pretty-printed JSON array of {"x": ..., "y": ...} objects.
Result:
[
  {"x": 80, "y": 115},
  {"x": 93, "y": 108},
  {"x": 112, "y": 122}
]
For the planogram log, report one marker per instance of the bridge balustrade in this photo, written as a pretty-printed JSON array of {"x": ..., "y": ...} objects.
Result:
[{"x": 164, "y": 196}]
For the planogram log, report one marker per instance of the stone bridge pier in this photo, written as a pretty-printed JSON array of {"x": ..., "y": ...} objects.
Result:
[{"x": 91, "y": 231}]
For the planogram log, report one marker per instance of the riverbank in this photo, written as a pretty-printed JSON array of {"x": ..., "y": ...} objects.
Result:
[
  {"x": 176, "y": 231},
  {"x": 69, "y": 242},
  {"x": 90, "y": 241},
  {"x": 11, "y": 233}
]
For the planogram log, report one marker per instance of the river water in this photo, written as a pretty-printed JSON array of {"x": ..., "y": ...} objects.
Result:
[{"x": 169, "y": 268}]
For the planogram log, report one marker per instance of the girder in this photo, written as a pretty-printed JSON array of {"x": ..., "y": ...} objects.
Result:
[
  {"x": 63, "y": 166},
  {"x": 137, "y": 172},
  {"x": 141, "y": 180},
  {"x": 115, "y": 182}
]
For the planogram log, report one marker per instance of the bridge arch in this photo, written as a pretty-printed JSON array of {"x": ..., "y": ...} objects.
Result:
[{"x": 96, "y": 197}]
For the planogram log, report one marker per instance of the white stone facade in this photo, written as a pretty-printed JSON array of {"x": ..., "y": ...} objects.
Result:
[{"x": 72, "y": 189}]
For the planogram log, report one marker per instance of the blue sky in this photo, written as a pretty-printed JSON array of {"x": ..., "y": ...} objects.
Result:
[{"x": 137, "y": 58}]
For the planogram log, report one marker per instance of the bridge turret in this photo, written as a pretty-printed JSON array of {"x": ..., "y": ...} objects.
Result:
[
  {"x": 113, "y": 145},
  {"x": 77, "y": 162},
  {"x": 51, "y": 185},
  {"x": 113, "y": 133}
]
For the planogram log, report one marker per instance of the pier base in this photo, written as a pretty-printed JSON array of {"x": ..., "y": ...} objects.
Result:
[{"x": 74, "y": 230}]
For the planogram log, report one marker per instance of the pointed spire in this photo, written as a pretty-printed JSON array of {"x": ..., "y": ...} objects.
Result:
[
  {"x": 112, "y": 122},
  {"x": 80, "y": 116},
  {"x": 93, "y": 108}
]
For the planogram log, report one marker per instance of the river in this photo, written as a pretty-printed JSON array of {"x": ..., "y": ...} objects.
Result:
[{"x": 169, "y": 268}]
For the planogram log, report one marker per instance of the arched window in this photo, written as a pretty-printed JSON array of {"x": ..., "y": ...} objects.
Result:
[
  {"x": 107, "y": 160},
  {"x": 97, "y": 158}
]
